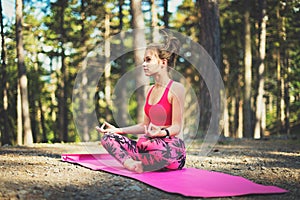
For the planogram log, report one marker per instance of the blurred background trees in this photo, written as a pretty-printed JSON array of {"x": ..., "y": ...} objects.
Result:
[{"x": 255, "y": 45}]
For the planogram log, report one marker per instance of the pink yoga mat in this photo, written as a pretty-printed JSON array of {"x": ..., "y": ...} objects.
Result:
[{"x": 189, "y": 182}]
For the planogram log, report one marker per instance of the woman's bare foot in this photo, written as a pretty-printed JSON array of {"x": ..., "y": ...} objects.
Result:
[{"x": 133, "y": 165}]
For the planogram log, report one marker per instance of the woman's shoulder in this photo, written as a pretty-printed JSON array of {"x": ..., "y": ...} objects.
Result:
[{"x": 177, "y": 86}]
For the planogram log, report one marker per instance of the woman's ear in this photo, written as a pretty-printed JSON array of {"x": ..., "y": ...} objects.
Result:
[{"x": 164, "y": 62}]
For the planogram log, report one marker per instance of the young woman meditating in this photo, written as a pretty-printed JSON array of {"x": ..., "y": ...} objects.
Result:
[{"x": 159, "y": 147}]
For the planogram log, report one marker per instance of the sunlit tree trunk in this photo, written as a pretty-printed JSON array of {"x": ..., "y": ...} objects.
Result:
[
  {"x": 239, "y": 109},
  {"x": 287, "y": 95},
  {"x": 28, "y": 139},
  {"x": 107, "y": 70},
  {"x": 20, "y": 140},
  {"x": 227, "y": 103},
  {"x": 84, "y": 91},
  {"x": 240, "y": 129},
  {"x": 232, "y": 117},
  {"x": 5, "y": 133},
  {"x": 248, "y": 73},
  {"x": 280, "y": 72},
  {"x": 154, "y": 22},
  {"x": 139, "y": 41},
  {"x": 262, "y": 53}
]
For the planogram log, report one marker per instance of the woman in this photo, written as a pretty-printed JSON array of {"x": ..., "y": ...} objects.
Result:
[{"x": 159, "y": 148}]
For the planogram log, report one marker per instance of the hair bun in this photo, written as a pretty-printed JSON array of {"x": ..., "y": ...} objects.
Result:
[
  {"x": 168, "y": 49},
  {"x": 171, "y": 43}
]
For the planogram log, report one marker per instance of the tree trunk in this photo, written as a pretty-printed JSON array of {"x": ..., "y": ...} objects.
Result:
[
  {"x": 240, "y": 129},
  {"x": 120, "y": 96},
  {"x": 107, "y": 70},
  {"x": 287, "y": 95},
  {"x": 43, "y": 123},
  {"x": 139, "y": 42},
  {"x": 279, "y": 126},
  {"x": 227, "y": 103},
  {"x": 262, "y": 53},
  {"x": 28, "y": 139},
  {"x": 62, "y": 83},
  {"x": 84, "y": 131},
  {"x": 210, "y": 40},
  {"x": 232, "y": 117},
  {"x": 166, "y": 14},
  {"x": 5, "y": 133},
  {"x": 239, "y": 109},
  {"x": 285, "y": 76},
  {"x": 210, "y": 29},
  {"x": 280, "y": 72},
  {"x": 20, "y": 140},
  {"x": 154, "y": 22},
  {"x": 226, "y": 120},
  {"x": 248, "y": 73}
]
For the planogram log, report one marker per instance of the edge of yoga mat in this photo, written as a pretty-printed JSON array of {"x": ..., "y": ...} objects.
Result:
[{"x": 190, "y": 182}]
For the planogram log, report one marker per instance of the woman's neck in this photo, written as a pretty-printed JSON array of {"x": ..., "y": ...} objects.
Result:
[{"x": 161, "y": 80}]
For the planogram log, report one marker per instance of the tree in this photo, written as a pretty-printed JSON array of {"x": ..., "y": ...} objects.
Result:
[
  {"x": 154, "y": 22},
  {"x": 120, "y": 96},
  {"x": 210, "y": 40},
  {"x": 260, "y": 104},
  {"x": 139, "y": 42},
  {"x": 28, "y": 139},
  {"x": 5, "y": 133},
  {"x": 166, "y": 13},
  {"x": 248, "y": 72}
]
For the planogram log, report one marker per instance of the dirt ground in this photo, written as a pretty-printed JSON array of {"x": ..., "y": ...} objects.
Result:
[{"x": 37, "y": 172}]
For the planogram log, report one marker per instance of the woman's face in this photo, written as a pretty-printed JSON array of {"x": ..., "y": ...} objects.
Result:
[{"x": 152, "y": 64}]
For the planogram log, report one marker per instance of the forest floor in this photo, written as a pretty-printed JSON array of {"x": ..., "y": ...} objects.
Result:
[{"x": 37, "y": 172}]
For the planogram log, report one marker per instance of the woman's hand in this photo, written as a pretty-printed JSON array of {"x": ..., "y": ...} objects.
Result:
[
  {"x": 110, "y": 128},
  {"x": 153, "y": 131}
]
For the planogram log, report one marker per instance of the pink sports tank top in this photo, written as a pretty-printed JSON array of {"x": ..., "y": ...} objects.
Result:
[{"x": 160, "y": 114}]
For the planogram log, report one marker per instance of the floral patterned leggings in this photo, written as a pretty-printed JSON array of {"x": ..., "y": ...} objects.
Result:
[{"x": 155, "y": 153}]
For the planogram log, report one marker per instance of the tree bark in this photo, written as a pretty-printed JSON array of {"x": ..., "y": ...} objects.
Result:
[
  {"x": 62, "y": 83},
  {"x": 120, "y": 96},
  {"x": 248, "y": 73},
  {"x": 210, "y": 40},
  {"x": 239, "y": 109},
  {"x": 166, "y": 14},
  {"x": 107, "y": 70},
  {"x": 84, "y": 91},
  {"x": 262, "y": 53},
  {"x": 20, "y": 140},
  {"x": 5, "y": 133},
  {"x": 287, "y": 95},
  {"x": 139, "y": 41},
  {"x": 28, "y": 139},
  {"x": 154, "y": 22},
  {"x": 280, "y": 73}
]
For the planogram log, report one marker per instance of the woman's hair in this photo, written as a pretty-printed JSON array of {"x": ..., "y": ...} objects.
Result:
[{"x": 169, "y": 49}]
